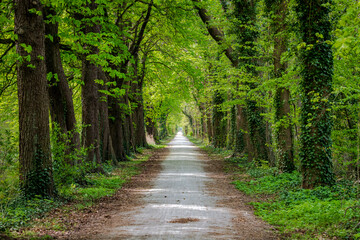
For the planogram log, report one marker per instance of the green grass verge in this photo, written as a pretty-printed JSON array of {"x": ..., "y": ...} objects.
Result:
[
  {"x": 306, "y": 214},
  {"x": 320, "y": 213}
]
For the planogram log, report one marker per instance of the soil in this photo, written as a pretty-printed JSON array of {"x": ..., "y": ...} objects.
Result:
[
  {"x": 184, "y": 220},
  {"x": 181, "y": 194},
  {"x": 246, "y": 223}
]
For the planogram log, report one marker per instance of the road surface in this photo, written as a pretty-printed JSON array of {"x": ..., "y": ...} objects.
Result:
[{"x": 181, "y": 205}]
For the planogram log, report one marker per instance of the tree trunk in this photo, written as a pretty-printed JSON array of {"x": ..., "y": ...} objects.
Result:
[
  {"x": 116, "y": 128},
  {"x": 90, "y": 96},
  {"x": 151, "y": 130},
  {"x": 316, "y": 88},
  {"x": 117, "y": 118},
  {"x": 219, "y": 122},
  {"x": 128, "y": 138},
  {"x": 34, "y": 140},
  {"x": 210, "y": 133},
  {"x": 139, "y": 120},
  {"x": 284, "y": 135},
  {"x": 245, "y": 13},
  {"x": 163, "y": 128},
  {"x": 243, "y": 144},
  {"x": 61, "y": 102},
  {"x": 107, "y": 150},
  {"x": 138, "y": 111},
  {"x": 203, "y": 122},
  {"x": 283, "y": 131}
]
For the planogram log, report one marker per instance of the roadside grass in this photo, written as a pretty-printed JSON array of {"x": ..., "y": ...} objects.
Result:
[
  {"x": 321, "y": 213},
  {"x": 17, "y": 215}
]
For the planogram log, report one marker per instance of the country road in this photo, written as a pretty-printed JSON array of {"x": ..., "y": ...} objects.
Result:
[{"x": 181, "y": 205}]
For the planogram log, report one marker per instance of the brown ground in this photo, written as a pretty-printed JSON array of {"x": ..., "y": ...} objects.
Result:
[
  {"x": 83, "y": 224},
  {"x": 236, "y": 200},
  {"x": 184, "y": 220}
]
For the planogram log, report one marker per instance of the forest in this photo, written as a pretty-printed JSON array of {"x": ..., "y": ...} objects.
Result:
[{"x": 272, "y": 86}]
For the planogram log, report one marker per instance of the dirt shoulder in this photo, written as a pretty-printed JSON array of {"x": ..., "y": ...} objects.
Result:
[{"x": 245, "y": 222}]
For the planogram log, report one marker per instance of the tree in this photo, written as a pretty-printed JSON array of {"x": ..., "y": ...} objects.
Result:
[
  {"x": 61, "y": 102},
  {"x": 250, "y": 134},
  {"x": 35, "y": 156},
  {"x": 316, "y": 87},
  {"x": 90, "y": 95},
  {"x": 283, "y": 127}
]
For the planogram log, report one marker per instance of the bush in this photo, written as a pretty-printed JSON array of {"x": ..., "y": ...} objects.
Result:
[{"x": 68, "y": 161}]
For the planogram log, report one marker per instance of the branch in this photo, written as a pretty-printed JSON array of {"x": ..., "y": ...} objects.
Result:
[
  {"x": 65, "y": 47},
  {"x": 143, "y": 70},
  {"x": 135, "y": 30},
  {"x": 162, "y": 64},
  {"x": 186, "y": 114},
  {"x": 215, "y": 33},
  {"x": 10, "y": 82},
  {"x": 136, "y": 47},
  {"x": 6, "y": 41},
  {"x": 118, "y": 20},
  {"x": 6, "y": 51}
]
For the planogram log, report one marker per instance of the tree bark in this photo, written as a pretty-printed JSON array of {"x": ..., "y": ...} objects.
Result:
[
  {"x": 151, "y": 129},
  {"x": 316, "y": 89},
  {"x": 215, "y": 32},
  {"x": 138, "y": 117},
  {"x": 34, "y": 141},
  {"x": 127, "y": 124},
  {"x": 283, "y": 130},
  {"x": 203, "y": 122},
  {"x": 140, "y": 113},
  {"x": 140, "y": 121},
  {"x": 106, "y": 144},
  {"x": 61, "y": 102},
  {"x": 219, "y": 122},
  {"x": 90, "y": 96},
  {"x": 116, "y": 127},
  {"x": 210, "y": 133}
]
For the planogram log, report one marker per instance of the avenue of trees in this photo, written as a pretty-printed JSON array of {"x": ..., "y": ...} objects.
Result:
[{"x": 88, "y": 82}]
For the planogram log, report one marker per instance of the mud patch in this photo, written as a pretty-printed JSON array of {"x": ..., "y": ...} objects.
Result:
[{"x": 184, "y": 220}]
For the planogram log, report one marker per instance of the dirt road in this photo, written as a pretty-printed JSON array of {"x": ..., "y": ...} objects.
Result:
[{"x": 189, "y": 199}]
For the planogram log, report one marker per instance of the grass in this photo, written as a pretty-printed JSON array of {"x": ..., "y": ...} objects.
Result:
[
  {"x": 320, "y": 213},
  {"x": 102, "y": 185}
]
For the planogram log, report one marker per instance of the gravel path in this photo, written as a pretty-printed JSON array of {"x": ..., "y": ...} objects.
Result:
[{"x": 182, "y": 203}]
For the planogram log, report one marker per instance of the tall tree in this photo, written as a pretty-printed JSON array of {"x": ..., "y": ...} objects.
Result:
[
  {"x": 250, "y": 137},
  {"x": 121, "y": 107},
  {"x": 283, "y": 128},
  {"x": 219, "y": 121},
  {"x": 244, "y": 16},
  {"x": 35, "y": 157},
  {"x": 90, "y": 95},
  {"x": 316, "y": 87},
  {"x": 137, "y": 97},
  {"x": 61, "y": 102}
]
